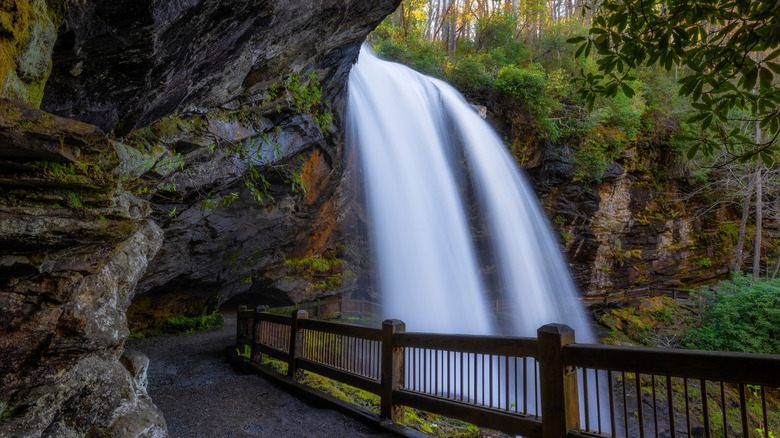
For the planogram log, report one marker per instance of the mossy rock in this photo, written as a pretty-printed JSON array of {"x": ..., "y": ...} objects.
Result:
[{"x": 27, "y": 35}]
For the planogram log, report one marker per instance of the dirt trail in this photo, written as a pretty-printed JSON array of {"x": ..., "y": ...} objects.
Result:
[{"x": 201, "y": 395}]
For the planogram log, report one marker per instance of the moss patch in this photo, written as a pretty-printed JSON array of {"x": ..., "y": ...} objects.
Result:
[
  {"x": 656, "y": 321},
  {"x": 416, "y": 419}
]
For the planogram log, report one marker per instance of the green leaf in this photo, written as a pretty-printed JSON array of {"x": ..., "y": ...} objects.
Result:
[
  {"x": 627, "y": 90},
  {"x": 579, "y": 51},
  {"x": 772, "y": 55},
  {"x": 692, "y": 151},
  {"x": 576, "y": 40},
  {"x": 775, "y": 67},
  {"x": 706, "y": 122},
  {"x": 766, "y": 77},
  {"x": 750, "y": 79}
]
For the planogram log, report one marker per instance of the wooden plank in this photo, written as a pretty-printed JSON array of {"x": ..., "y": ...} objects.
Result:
[
  {"x": 507, "y": 422},
  {"x": 496, "y": 345},
  {"x": 370, "y": 385},
  {"x": 274, "y": 318},
  {"x": 273, "y": 352},
  {"x": 753, "y": 369},
  {"x": 355, "y": 331}
]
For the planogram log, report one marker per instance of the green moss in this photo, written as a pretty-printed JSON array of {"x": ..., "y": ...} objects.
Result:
[
  {"x": 5, "y": 412},
  {"x": 15, "y": 27},
  {"x": 314, "y": 264},
  {"x": 71, "y": 172},
  {"x": 74, "y": 200}
]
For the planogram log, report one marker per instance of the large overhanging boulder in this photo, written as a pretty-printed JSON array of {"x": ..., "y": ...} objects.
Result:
[{"x": 123, "y": 64}]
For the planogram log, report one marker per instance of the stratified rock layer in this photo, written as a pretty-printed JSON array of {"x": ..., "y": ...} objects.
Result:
[{"x": 74, "y": 246}]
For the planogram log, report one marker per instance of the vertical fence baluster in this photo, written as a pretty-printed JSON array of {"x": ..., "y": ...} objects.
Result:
[
  {"x": 743, "y": 410},
  {"x": 625, "y": 402},
  {"x": 585, "y": 401},
  {"x": 687, "y": 407},
  {"x": 436, "y": 372},
  {"x": 506, "y": 385},
  {"x": 655, "y": 405},
  {"x": 723, "y": 409},
  {"x": 705, "y": 408},
  {"x": 763, "y": 410},
  {"x": 462, "y": 372},
  {"x": 536, "y": 388},
  {"x": 474, "y": 372},
  {"x": 639, "y": 407},
  {"x": 611, "y": 403},
  {"x": 598, "y": 399},
  {"x": 670, "y": 402}
]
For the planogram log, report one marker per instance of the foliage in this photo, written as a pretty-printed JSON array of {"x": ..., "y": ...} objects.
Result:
[
  {"x": 306, "y": 93},
  {"x": 184, "y": 324},
  {"x": 421, "y": 420},
  {"x": 314, "y": 264},
  {"x": 742, "y": 315},
  {"x": 726, "y": 50},
  {"x": 244, "y": 352}
]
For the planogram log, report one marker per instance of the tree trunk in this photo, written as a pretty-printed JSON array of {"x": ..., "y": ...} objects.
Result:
[
  {"x": 742, "y": 226},
  {"x": 757, "y": 246}
]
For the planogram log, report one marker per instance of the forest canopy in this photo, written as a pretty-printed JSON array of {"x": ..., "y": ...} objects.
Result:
[{"x": 728, "y": 53}]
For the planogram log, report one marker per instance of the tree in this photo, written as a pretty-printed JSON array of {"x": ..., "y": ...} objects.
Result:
[{"x": 715, "y": 43}]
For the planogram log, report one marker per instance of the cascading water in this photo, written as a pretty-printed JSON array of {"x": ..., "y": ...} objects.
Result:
[
  {"x": 437, "y": 179},
  {"x": 429, "y": 161}
]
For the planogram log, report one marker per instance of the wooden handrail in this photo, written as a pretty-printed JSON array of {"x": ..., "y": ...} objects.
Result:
[
  {"x": 748, "y": 368},
  {"x": 356, "y": 331},
  {"x": 496, "y": 345}
]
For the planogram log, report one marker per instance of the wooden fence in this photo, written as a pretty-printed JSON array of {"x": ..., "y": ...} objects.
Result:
[
  {"x": 335, "y": 308},
  {"x": 658, "y": 292},
  {"x": 546, "y": 386}
]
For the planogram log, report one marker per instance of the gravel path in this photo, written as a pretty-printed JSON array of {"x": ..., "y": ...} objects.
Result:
[{"x": 201, "y": 395}]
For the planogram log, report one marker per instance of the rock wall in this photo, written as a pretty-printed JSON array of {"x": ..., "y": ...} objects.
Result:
[
  {"x": 639, "y": 227},
  {"x": 74, "y": 246},
  {"x": 204, "y": 101}
]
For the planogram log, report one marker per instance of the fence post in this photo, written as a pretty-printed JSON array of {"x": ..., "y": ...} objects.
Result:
[
  {"x": 256, "y": 356},
  {"x": 558, "y": 383},
  {"x": 392, "y": 371},
  {"x": 296, "y": 344},
  {"x": 240, "y": 322}
]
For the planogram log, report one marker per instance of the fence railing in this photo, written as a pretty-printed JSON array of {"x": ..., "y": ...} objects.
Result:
[
  {"x": 548, "y": 386},
  {"x": 339, "y": 307}
]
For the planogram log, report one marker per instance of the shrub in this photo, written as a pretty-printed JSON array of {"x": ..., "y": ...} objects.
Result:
[
  {"x": 471, "y": 76},
  {"x": 184, "y": 324},
  {"x": 742, "y": 315}
]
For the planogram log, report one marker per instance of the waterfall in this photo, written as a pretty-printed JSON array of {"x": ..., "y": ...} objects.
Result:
[{"x": 454, "y": 223}]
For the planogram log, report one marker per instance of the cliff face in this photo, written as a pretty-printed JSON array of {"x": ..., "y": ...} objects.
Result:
[
  {"x": 639, "y": 227},
  {"x": 74, "y": 246},
  {"x": 222, "y": 161},
  {"x": 125, "y": 64}
]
